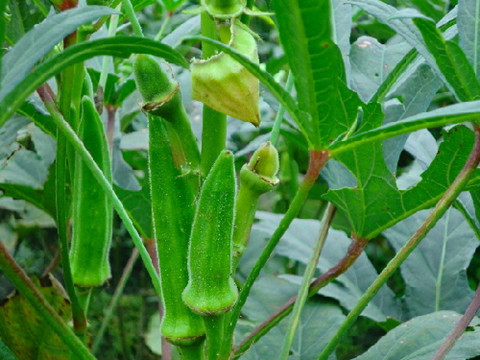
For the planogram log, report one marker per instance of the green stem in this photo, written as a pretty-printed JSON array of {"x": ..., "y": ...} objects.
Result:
[
  {"x": 194, "y": 352},
  {"x": 246, "y": 18},
  {"x": 459, "y": 328},
  {"x": 44, "y": 310},
  {"x": 73, "y": 139},
  {"x": 318, "y": 159},
  {"x": 112, "y": 30},
  {"x": 305, "y": 285},
  {"x": 443, "y": 204},
  {"x": 214, "y": 329},
  {"x": 354, "y": 251},
  {"x": 130, "y": 13},
  {"x": 127, "y": 271},
  {"x": 165, "y": 23},
  {"x": 214, "y": 125},
  {"x": 459, "y": 206},
  {"x": 281, "y": 111},
  {"x": 78, "y": 315}
]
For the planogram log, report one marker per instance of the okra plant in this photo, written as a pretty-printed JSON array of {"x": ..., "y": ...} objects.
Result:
[{"x": 239, "y": 179}]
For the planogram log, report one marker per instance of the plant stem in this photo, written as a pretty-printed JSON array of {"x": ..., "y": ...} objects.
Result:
[
  {"x": 127, "y": 271},
  {"x": 112, "y": 30},
  {"x": 459, "y": 206},
  {"x": 214, "y": 329},
  {"x": 460, "y": 327},
  {"x": 165, "y": 23},
  {"x": 354, "y": 251},
  {"x": 44, "y": 310},
  {"x": 130, "y": 13},
  {"x": 318, "y": 158},
  {"x": 78, "y": 315},
  {"x": 73, "y": 139},
  {"x": 246, "y": 18},
  {"x": 214, "y": 123},
  {"x": 443, "y": 204},
  {"x": 281, "y": 111},
  {"x": 305, "y": 285}
]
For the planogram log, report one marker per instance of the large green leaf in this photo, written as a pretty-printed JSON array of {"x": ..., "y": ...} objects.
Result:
[
  {"x": 297, "y": 244},
  {"x": 468, "y": 23},
  {"x": 316, "y": 62},
  {"x": 317, "y": 323},
  {"x": 121, "y": 46},
  {"x": 18, "y": 61},
  {"x": 376, "y": 203},
  {"x": 453, "y": 114},
  {"x": 435, "y": 272},
  {"x": 451, "y": 61},
  {"x": 420, "y": 338}
]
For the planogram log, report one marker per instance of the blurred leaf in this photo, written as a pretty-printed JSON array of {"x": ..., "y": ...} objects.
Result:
[
  {"x": 317, "y": 323},
  {"x": 36, "y": 43},
  {"x": 451, "y": 61},
  {"x": 420, "y": 338},
  {"x": 172, "y": 5},
  {"x": 432, "y": 8},
  {"x": 139, "y": 5},
  {"x": 25, "y": 333},
  {"x": 468, "y": 23},
  {"x": 297, "y": 244},
  {"x": 342, "y": 15},
  {"x": 317, "y": 65},
  {"x": 435, "y": 272},
  {"x": 153, "y": 336},
  {"x": 5, "y": 352}
]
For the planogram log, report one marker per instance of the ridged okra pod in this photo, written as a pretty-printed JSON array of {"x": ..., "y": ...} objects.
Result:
[
  {"x": 163, "y": 98},
  {"x": 211, "y": 289},
  {"x": 173, "y": 210},
  {"x": 92, "y": 211},
  {"x": 256, "y": 178}
]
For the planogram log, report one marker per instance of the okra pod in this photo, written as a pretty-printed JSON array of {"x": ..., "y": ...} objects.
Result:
[
  {"x": 211, "y": 289},
  {"x": 92, "y": 211},
  {"x": 173, "y": 206}
]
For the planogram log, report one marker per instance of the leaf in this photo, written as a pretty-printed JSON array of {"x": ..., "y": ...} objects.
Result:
[
  {"x": 317, "y": 65},
  {"x": 435, "y": 272},
  {"x": 25, "y": 333},
  {"x": 420, "y": 338},
  {"x": 376, "y": 203},
  {"x": 5, "y": 352},
  {"x": 371, "y": 63},
  {"x": 450, "y": 61},
  {"x": 432, "y": 8},
  {"x": 342, "y": 22},
  {"x": 468, "y": 23},
  {"x": 317, "y": 323},
  {"x": 297, "y": 244},
  {"x": 39, "y": 41},
  {"x": 452, "y": 114},
  {"x": 122, "y": 46}
]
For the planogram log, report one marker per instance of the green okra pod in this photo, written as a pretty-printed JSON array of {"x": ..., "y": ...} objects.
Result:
[
  {"x": 173, "y": 206},
  {"x": 211, "y": 289},
  {"x": 256, "y": 178},
  {"x": 163, "y": 98},
  {"x": 92, "y": 211}
]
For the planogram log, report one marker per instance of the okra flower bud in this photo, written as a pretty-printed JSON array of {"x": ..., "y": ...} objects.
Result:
[
  {"x": 224, "y": 84},
  {"x": 256, "y": 178},
  {"x": 211, "y": 289}
]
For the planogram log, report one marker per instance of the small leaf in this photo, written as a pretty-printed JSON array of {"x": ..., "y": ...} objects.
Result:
[
  {"x": 25, "y": 333},
  {"x": 468, "y": 23}
]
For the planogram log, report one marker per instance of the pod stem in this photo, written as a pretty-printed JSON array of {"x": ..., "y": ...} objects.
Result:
[
  {"x": 245, "y": 208},
  {"x": 193, "y": 352},
  {"x": 215, "y": 330},
  {"x": 442, "y": 205}
]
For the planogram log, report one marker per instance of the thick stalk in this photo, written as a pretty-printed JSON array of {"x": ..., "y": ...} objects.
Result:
[
  {"x": 214, "y": 329},
  {"x": 318, "y": 158},
  {"x": 305, "y": 285},
  {"x": 460, "y": 327},
  {"x": 78, "y": 315},
  {"x": 281, "y": 111},
  {"x": 443, "y": 204},
  {"x": 214, "y": 128},
  {"x": 44, "y": 310},
  {"x": 354, "y": 251}
]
